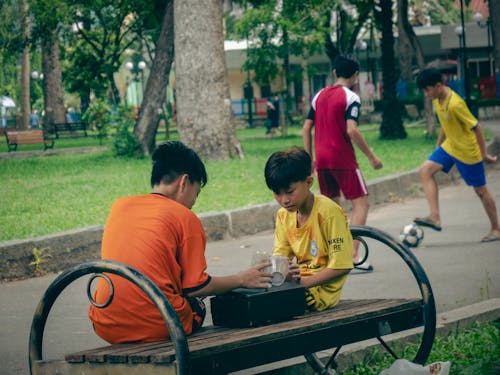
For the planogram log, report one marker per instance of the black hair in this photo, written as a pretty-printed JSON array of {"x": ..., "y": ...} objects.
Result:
[
  {"x": 345, "y": 65},
  {"x": 429, "y": 77},
  {"x": 172, "y": 159},
  {"x": 283, "y": 168}
]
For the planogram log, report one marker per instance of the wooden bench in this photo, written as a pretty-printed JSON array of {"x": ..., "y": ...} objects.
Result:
[
  {"x": 67, "y": 129},
  {"x": 220, "y": 350},
  {"x": 25, "y": 137}
]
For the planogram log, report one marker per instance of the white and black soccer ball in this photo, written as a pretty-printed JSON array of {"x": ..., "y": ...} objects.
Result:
[{"x": 411, "y": 235}]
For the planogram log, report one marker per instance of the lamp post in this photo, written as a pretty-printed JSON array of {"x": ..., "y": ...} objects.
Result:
[
  {"x": 460, "y": 31},
  {"x": 478, "y": 17},
  {"x": 136, "y": 70},
  {"x": 363, "y": 46}
]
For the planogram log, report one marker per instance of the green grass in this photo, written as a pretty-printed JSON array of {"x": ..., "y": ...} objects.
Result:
[
  {"x": 44, "y": 195},
  {"x": 471, "y": 351}
]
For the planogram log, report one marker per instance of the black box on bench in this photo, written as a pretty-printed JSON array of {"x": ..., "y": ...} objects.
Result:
[{"x": 252, "y": 307}]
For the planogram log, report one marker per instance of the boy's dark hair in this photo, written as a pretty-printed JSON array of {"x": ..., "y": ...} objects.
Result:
[
  {"x": 429, "y": 77},
  {"x": 345, "y": 66},
  {"x": 172, "y": 159},
  {"x": 283, "y": 168}
]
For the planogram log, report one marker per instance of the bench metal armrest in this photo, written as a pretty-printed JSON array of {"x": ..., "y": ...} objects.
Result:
[{"x": 99, "y": 266}]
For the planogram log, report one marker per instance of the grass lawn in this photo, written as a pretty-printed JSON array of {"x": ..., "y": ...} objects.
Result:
[
  {"x": 44, "y": 195},
  {"x": 471, "y": 351}
]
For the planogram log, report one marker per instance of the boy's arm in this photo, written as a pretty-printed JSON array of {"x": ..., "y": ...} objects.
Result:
[
  {"x": 359, "y": 140},
  {"x": 441, "y": 138},
  {"x": 482, "y": 145},
  {"x": 254, "y": 277},
  {"x": 307, "y": 135},
  {"x": 325, "y": 276}
]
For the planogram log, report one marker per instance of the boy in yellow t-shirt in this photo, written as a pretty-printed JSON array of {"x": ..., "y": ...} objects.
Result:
[
  {"x": 461, "y": 143},
  {"x": 310, "y": 227}
]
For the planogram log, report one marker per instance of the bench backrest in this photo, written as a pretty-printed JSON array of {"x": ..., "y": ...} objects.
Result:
[{"x": 25, "y": 136}]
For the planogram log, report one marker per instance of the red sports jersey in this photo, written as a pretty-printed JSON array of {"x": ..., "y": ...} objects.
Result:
[{"x": 333, "y": 106}]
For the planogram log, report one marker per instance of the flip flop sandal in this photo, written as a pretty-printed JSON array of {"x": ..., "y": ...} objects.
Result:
[
  {"x": 490, "y": 237},
  {"x": 427, "y": 222}
]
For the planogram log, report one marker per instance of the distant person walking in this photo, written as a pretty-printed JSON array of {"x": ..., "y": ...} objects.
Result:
[
  {"x": 461, "y": 143},
  {"x": 273, "y": 115},
  {"x": 335, "y": 115},
  {"x": 34, "y": 119}
]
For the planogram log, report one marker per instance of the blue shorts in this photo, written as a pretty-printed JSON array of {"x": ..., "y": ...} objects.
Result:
[{"x": 473, "y": 174}]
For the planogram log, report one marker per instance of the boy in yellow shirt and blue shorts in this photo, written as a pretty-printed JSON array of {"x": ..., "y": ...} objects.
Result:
[
  {"x": 309, "y": 227},
  {"x": 461, "y": 143}
]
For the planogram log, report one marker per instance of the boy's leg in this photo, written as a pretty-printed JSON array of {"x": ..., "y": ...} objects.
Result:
[
  {"x": 491, "y": 210},
  {"x": 439, "y": 160},
  {"x": 427, "y": 171},
  {"x": 359, "y": 215}
]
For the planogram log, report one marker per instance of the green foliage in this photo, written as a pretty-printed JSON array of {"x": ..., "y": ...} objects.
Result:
[
  {"x": 40, "y": 256},
  {"x": 98, "y": 116},
  {"x": 475, "y": 350},
  {"x": 125, "y": 143},
  {"x": 69, "y": 191}
]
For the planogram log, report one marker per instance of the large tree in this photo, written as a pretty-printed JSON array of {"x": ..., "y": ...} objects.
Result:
[
  {"x": 409, "y": 46},
  {"x": 155, "y": 93},
  {"x": 48, "y": 15},
  {"x": 494, "y": 9},
  {"x": 392, "y": 124},
  {"x": 204, "y": 114}
]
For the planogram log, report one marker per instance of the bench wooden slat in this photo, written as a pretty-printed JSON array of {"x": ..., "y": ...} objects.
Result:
[
  {"x": 349, "y": 321},
  {"x": 70, "y": 129},
  {"x": 30, "y": 136}
]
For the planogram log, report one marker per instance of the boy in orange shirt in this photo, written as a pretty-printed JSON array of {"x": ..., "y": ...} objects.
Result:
[{"x": 160, "y": 236}]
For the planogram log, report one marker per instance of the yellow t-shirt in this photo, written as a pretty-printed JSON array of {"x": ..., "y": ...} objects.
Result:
[
  {"x": 458, "y": 125},
  {"x": 323, "y": 241}
]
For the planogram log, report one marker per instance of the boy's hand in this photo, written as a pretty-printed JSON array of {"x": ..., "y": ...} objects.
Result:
[
  {"x": 293, "y": 273},
  {"x": 376, "y": 163},
  {"x": 256, "y": 277},
  {"x": 490, "y": 158}
]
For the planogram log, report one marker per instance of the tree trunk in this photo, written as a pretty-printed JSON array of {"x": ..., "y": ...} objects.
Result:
[
  {"x": 25, "y": 68},
  {"x": 204, "y": 115},
  {"x": 156, "y": 87},
  {"x": 408, "y": 42},
  {"x": 392, "y": 125},
  {"x": 53, "y": 93},
  {"x": 494, "y": 8},
  {"x": 404, "y": 43}
]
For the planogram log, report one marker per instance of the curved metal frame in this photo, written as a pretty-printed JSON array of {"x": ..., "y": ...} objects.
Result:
[
  {"x": 98, "y": 266},
  {"x": 366, "y": 251},
  {"x": 429, "y": 306}
]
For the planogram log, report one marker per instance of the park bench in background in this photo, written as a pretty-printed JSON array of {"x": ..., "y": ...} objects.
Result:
[
  {"x": 220, "y": 350},
  {"x": 67, "y": 129},
  {"x": 26, "y": 137}
]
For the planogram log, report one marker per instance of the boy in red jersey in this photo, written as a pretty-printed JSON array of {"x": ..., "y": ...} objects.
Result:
[
  {"x": 334, "y": 115},
  {"x": 160, "y": 236}
]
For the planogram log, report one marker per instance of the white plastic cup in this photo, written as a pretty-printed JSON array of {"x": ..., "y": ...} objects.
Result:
[
  {"x": 260, "y": 257},
  {"x": 279, "y": 269}
]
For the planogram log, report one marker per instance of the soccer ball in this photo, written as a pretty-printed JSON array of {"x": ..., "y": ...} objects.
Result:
[{"x": 411, "y": 235}]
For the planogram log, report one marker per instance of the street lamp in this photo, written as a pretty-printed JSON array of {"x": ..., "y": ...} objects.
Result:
[
  {"x": 136, "y": 70},
  {"x": 460, "y": 31},
  {"x": 478, "y": 17}
]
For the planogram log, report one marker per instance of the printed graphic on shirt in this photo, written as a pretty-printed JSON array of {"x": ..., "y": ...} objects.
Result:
[
  {"x": 313, "y": 248},
  {"x": 335, "y": 244}
]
